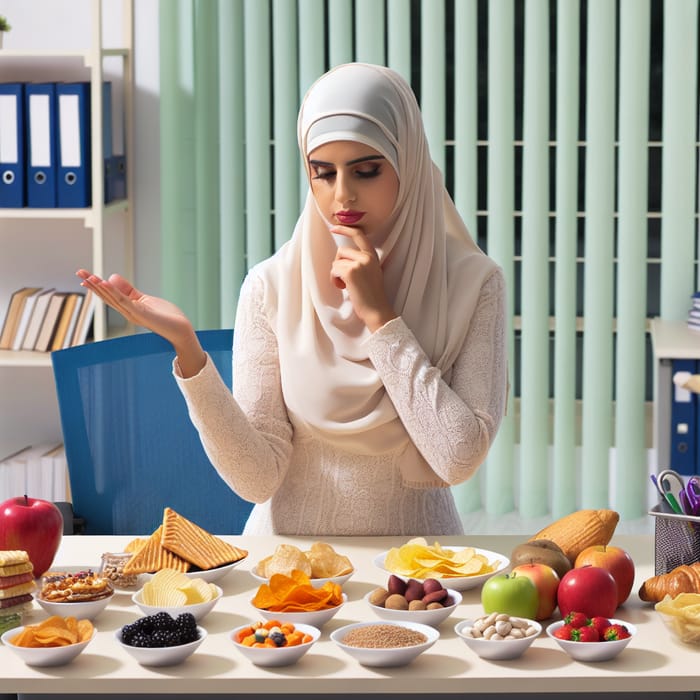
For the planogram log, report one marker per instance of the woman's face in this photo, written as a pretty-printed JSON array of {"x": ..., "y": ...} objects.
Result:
[{"x": 354, "y": 185}]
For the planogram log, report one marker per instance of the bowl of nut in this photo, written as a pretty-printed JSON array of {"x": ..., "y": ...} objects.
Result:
[
  {"x": 427, "y": 601},
  {"x": 498, "y": 636}
]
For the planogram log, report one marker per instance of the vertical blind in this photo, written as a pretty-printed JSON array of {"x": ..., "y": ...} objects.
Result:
[{"x": 567, "y": 133}]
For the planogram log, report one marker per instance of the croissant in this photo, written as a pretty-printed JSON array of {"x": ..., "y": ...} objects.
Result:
[{"x": 683, "y": 579}]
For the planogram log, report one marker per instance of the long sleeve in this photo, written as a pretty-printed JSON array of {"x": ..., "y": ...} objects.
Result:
[
  {"x": 452, "y": 425},
  {"x": 246, "y": 434}
]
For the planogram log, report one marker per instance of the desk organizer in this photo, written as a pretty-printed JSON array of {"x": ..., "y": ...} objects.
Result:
[{"x": 676, "y": 539}]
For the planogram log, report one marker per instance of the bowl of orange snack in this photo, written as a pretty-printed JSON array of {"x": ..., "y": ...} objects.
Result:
[
  {"x": 273, "y": 642},
  {"x": 295, "y": 599},
  {"x": 55, "y": 641}
]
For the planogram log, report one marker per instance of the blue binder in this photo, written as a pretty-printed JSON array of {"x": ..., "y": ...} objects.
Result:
[
  {"x": 684, "y": 422},
  {"x": 40, "y": 100},
  {"x": 12, "y": 150},
  {"x": 74, "y": 188}
]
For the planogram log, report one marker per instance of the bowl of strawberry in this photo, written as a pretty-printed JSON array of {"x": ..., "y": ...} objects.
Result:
[{"x": 591, "y": 638}]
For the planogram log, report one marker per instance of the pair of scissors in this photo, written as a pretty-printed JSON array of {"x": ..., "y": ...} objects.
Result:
[{"x": 683, "y": 498}]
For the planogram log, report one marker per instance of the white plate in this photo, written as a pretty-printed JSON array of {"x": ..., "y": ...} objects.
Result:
[
  {"x": 434, "y": 618},
  {"x": 394, "y": 656},
  {"x": 209, "y": 575},
  {"x": 457, "y": 583},
  {"x": 315, "y": 582},
  {"x": 162, "y": 656},
  {"x": 593, "y": 651},
  {"x": 45, "y": 656},
  {"x": 276, "y": 656}
]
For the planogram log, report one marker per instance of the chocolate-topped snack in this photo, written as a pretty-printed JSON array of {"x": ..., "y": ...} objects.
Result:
[{"x": 62, "y": 587}]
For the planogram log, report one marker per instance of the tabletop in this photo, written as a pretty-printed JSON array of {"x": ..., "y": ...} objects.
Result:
[{"x": 653, "y": 662}]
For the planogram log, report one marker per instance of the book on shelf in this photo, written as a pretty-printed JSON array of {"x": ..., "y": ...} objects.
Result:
[
  {"x": 65, "y": 320},
  {"x": 82, "y": 324},
  {"x": 13, "y": 315},
  {"x": 23, "y": 323},
  {"x": 39, "y": 471},
  {"x": 51, "y": 318},
  {"x": 37, "y": 318},
  {"x": 13, "y": 474}
]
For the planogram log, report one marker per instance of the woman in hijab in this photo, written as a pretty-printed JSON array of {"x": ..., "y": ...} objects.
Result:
[{"x": 369, "y": 354}]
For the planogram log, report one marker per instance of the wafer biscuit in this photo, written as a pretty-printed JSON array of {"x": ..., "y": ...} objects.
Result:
[
  {"x": 152, "y": 556},
  {"x": 9, "y": 557},
  {"x": 16, "y": 569},
  {"x": 135, "y": 544},
  {"x": 18, "y": 604},
  {"x": 194, "y": 544},
  {"x": 9, "y": 581},
  {"x": 19, "y": 589}
]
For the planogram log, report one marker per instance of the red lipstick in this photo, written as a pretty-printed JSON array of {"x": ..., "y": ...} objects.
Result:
[{"x": 348, "y": 217}]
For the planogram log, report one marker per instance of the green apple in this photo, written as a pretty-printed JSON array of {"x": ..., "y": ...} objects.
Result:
[{"x": 513, "y": 594}]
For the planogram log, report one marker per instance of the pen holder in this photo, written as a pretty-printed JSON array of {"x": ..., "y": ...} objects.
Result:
[{"x": 676, "y": 539}]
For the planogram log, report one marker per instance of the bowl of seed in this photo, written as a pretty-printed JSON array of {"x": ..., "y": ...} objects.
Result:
[{"x": 385, "y": 643}]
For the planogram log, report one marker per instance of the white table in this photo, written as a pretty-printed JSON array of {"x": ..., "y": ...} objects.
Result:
[{"x": 652, "y": 663}]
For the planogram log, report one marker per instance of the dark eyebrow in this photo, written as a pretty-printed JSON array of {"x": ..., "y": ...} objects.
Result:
[{"x": 350, "y": 162}]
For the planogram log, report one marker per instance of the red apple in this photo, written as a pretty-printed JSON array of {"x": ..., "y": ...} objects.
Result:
[
  {"x": 546, "y": 581},
  {"x": 32, "y": 525},
  {"x": 589, "y": 589},
  {"x": 616, "y": 560}
]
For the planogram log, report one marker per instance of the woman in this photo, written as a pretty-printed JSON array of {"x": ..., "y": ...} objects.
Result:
[{"x": 369, "y": 354}]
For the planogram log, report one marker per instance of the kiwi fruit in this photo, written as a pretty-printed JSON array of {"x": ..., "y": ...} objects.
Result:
[{"x": 541, "y": 551}]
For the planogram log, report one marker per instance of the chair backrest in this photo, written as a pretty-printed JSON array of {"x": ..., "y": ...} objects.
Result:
[{"x": 130, "y": 445}]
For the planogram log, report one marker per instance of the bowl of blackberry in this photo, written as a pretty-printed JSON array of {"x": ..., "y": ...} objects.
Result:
[{"x": 161, "y": 639}]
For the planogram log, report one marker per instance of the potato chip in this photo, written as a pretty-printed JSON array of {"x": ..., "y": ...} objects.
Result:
[
  {"x": 285, "y": 559},
  {"x": 295, "y": 594},
  {"x": 55, "y": 631},
  {"x": 417, "y": 559},
  {"x": 326, "y": 562},
  {"x": 173, "y": 589}
]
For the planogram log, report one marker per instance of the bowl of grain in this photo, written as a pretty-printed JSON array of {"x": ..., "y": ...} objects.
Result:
[{"x": 385, "y": 643}]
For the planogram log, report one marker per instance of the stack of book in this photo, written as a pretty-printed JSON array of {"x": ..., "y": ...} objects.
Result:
[
  {"x": 694, "y": 312},
  {"x": 39, "y": 471},
  {"x": 46, "y": 319}
]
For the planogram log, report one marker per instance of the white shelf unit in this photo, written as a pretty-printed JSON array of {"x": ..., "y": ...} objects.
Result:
[
  {"x": 93, "y": 218},
  {"x": 87, "y": 226}
]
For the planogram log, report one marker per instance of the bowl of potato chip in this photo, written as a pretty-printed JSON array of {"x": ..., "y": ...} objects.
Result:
[
  {"x": 321, "y": 563},
  {"x": 174, "y": 592},
  {"x": 681, "y": 615},
  {"x": 55, "y": 641},
  {"x": 295, "y": 599},
  {"x": 460, "y": 568}
]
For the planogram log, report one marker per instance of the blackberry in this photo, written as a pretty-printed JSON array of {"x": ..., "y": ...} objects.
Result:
[
  {"x": 139, "y": 640},
  {"x": 162, "y": 621},
  {"x": 163, "y": 638},
  {"x": 278, "y": 638},
  {"x": 128, "y": 632},
  {"x": 186, "y": 628}
]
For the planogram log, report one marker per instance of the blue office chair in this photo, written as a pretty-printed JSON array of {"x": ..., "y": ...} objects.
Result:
[{"x": 130, "y": 445}]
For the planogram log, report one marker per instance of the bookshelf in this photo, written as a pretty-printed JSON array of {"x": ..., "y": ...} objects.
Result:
[{"x": 101, "y": 233}]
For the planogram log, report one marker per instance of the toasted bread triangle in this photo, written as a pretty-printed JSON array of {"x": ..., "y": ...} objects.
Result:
[
  {"x": 152, "y": 556},
  {"x": 194, "y": 544}
]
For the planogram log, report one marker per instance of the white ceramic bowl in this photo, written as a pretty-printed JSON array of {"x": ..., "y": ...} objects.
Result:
[
  {"x": 209, "y": 575},
  {"x": 315, "y": 582},
  {"x": 393, "y": 656},
  {"x": 315, "y": 618},
  {"x": 199, "y": 610},
  {"x": 456, "y": 583},
  {"x": 162, "y": 656},
  {"x": 497, "y": 649},
  {"x": 45, "y": 656},
  {"x": 434, "y": 618},
  {"x": 280, "y": 656},
  {"x": 593, "y": 651},
  {"x": 82, "y": 610}
]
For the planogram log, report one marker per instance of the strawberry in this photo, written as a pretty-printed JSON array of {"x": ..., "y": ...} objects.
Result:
[
  {"x": 615, "y": 631},
  {"x": 576, "y": 619},
  {"x": 564, "y": 632},
  {"x": 600, "y": 623},
  {"x": 587, "y": 633}
]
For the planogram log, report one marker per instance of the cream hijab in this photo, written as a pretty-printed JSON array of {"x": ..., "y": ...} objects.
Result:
[{"x": 433, "y": 273}]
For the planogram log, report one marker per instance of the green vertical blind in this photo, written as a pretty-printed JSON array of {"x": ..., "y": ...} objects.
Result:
[{"x": 566, "y": 131}]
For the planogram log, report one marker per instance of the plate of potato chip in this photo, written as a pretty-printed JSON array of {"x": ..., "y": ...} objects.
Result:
[
  {"x": 461, "y": 568},
  {"x": 321, "y": 563}
]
